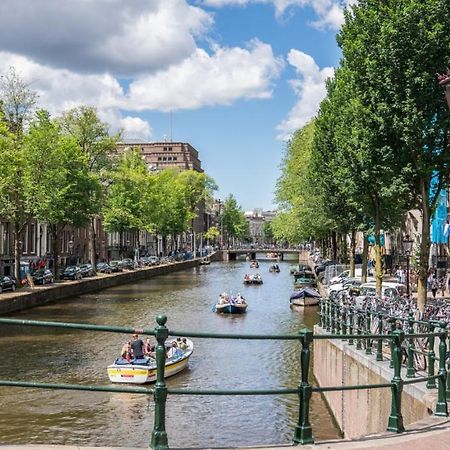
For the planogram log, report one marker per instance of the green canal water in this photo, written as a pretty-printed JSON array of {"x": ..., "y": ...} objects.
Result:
[{"x": 32, "y": 416}]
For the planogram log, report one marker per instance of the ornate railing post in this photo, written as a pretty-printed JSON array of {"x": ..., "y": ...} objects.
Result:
[
  {"x": 368, "y": 331},
  {"x": 344, "y": 319},
  {"x": 441, "y": 405},
  {"x": 392, "y": 321},
  {"x": 350, "y": 323},
  {"x": 321, "y": 312},
  {"x": 333, "y": 322},
  {"x": 159, "y": 434},
  {"x": 328, "y": 316},
  {"x": 303, "y": 431},
  {"x": 447, "y": 356},
  {"x": 431, "y": 384},
  {"x": 410, "y": 371},
  {"x": 395, "y": 422},
  {"x": 338, "y": 319},
  {"x": 380, "y": 341},
  {"x": 359, "y": 331}
]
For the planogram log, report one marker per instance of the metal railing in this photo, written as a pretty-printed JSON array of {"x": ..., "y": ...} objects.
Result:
[{"x": 303, "y": 431}]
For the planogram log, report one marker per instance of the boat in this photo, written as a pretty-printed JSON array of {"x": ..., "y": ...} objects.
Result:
[
  {"x": 253, "y": 279},
  {"x": 254, "y": 264},
  {"x": 205, "y": 261},
  {"x": 304, "y": 278},
  {"x": 305, "y": 297},
  {"x": 230, "y": 305},
  {"x": 274, "y": 268},
  {"x": 143, "y": 370}
]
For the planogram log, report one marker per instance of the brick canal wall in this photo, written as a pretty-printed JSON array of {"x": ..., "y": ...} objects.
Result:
[
  {"x": 28, "y": 297},
  {"x": 363, "y": 412}
]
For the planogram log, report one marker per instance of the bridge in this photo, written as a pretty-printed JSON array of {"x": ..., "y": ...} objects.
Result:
[{"x": 232, "y": 254}]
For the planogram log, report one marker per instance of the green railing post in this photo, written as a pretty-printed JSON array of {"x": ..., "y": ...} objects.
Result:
[
  {"x": 338, "y": 319},
  {"x": 392, "y": 321},
  {"x": 159, "y": 435},
  {"x": 333, "y": 323},
  {"x": 380, "y": 341},
  {"x": 441, "y": 405},
  {"x": 447, "y": 394},
  {"x": 410, "y": 371},
  {"x": 395, "y": 422},
  {"x": 359, "y": 331},
  {"x": 344, "y": 320},
  {"x": 350, "y": 324},
  {"x": 328, "y": 316},
  {"x": 368, "y": 330},
  {"x": 321, "y": 312},
  {"x": 303, "y": 431},
  {"x": 431, "y": 384}
]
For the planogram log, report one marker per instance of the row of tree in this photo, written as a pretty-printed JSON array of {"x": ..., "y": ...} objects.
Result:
[
  {"x": 66, "y": 171},
  {"x": 380, "y": 143}
]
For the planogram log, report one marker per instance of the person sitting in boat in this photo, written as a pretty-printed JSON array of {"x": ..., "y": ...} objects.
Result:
[
  {"x": 183, "y": 345},
  {"x": 247, "y": 277},
  {"x": 137, "y": 347},
  {"x": 149, "y": 349},
  {"x": 173, "y": 351},
  {"x": 240, "y": 300},
  {"x": 126, "y": 351}
]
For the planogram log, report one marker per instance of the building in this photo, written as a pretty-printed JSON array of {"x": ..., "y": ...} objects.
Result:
[
  {"x": 256, "y": 220},
  {"x": 163, "y": 155}
]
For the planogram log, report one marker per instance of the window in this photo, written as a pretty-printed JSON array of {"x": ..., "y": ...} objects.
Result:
[
  {"x": 159, "y": 158},
  {"x": 170, "y": 149},
  {"x": 164, "y": 158},
  {"x": 165, "y": 149},
  {"x": 169, "y": 158},
  {"x": 174, "y": 158},
  {"x": 33, "y": 238}
]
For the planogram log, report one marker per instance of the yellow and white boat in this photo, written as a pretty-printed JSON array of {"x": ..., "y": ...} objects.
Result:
[{"x": 144, "y": 370}]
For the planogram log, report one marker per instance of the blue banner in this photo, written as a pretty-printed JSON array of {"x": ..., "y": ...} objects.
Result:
[{"x": 439, "y": 230}]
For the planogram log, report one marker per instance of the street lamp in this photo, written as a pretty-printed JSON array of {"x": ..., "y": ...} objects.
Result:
[
  {"x": 407, "y": 246},
  {"x": 70, "y": 250},
  {"x": 444, "y": 81}
]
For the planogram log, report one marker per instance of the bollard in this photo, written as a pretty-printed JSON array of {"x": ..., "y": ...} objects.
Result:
[
  {"x": 350, "y": 324},
  {"x": 395, "y": 422},
  {"x": 358, "y": 330},
  {"x": 303, "y": 431},
  {"x": 368, "y": 331},
  {"x": 431, "y": 384},
  {"x": 441, "y": 405},
  {"x": 159, "y": 434},
  {"x": 380, "y": 341},
  {"x": 410, "y": 371}
]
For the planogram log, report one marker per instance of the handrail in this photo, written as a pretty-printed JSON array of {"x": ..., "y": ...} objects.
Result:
[{"x": 303, "y": 431}]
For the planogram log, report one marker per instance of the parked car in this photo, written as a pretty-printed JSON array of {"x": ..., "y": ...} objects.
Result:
[
  {"x": 116, "y": 266},
  {"x": 343, "y": 275},
  {"x": 7, "y": 283},
  {"x": 323, "y": 265},
  {"x": 153, "y": 260},
  {"x": 388, "y": 289},
  {"x": 128, "y": 263},
  {"x": 103, "y": 268},
  {"x": 42, "y": 276},
  {"x": 86, "y": 270},
  {"x": 71, "y": 273}
]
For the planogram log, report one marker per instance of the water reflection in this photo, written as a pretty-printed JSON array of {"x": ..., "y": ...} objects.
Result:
[{"x": 71, "y": 356}]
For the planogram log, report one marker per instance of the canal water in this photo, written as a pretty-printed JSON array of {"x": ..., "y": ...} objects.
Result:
[{"x": 36, "y": 416}]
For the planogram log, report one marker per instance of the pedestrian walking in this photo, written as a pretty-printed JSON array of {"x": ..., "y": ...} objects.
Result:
[{"x": 434, "y": 286}]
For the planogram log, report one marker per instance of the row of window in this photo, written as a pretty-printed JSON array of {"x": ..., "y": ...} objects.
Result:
[{"x": 168, "y": 158}]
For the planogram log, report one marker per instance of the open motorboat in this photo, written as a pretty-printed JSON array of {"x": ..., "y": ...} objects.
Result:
[
  {"x": 253, "y": 279},
  {"x": 140, "y": 371},
  {"x": 305, "y": 297},
  {"x": 230, "y": 305},
  {"x": 205, "y": 261}
]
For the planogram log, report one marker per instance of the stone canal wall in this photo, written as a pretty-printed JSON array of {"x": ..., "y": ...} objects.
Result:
[
  {"x": 363, "y": 412},
  {"x": 28, "y": 297}
]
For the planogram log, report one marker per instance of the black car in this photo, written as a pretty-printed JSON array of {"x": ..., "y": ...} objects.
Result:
[
  {"x": 103, "y": 267},
  {"x": 42, "y": 276},
  {"x": 86, "y": 270},
  {"x": 7, "y": 283},
  {"x": 71, "y": 273},
  {"x": 116, "y": 266}
]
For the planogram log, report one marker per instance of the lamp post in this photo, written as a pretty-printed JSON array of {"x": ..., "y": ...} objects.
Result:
[
  {"x": 70, "y": 250},
  {"x": 407, "y": 246},
  {"x": 444, "y": 81}
]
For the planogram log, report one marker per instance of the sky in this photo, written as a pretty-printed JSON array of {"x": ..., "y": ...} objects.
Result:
[{"x": 234, "y": 78}]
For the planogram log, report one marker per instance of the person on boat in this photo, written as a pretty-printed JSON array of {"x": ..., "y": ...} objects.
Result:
[
  {"x": 183, "y": 345},
  {"x": 173, "y": 351},
  {"x": 149, "y": 349},
  {"x": 126, "y": 351},
  {"x": 240, "y": 300},
  {"x": 137, "y": 347}
]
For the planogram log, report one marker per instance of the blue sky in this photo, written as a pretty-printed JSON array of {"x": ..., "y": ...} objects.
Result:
[{"x": 238, "y": 75}]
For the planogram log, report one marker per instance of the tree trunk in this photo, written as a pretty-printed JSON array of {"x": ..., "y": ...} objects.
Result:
[
  {"x": 378, "y": 256},
  {"x": 121, "y": 244},
  {"x": 17, "y": 253},
  {"x": 424, "y": 250},
  {"x": 93, "y": 245},
  {"x": 55, "y": 233},
  {"x": 364, "y": 258},
  {"x": 352, "y": 252},
  {"x": 334, "y": 246}
]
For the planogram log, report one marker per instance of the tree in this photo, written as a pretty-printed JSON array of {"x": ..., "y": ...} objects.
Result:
[
  {"x": 58, "y": 179},
  {"x": 233, "y": 220},
  {"x": 17, "y": 102},
  {"x": 94, "y": 139}
]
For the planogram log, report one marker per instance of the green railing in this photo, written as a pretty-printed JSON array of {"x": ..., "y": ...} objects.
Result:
[{"x": 303, "y": 431}]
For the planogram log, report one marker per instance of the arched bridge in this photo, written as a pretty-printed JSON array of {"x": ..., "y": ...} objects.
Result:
[{"x": 262, "y": 253}]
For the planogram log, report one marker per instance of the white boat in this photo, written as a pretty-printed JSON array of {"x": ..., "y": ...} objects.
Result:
[
  {"x": 305, "y": 297},
  {"x": 144, "y": 370}
]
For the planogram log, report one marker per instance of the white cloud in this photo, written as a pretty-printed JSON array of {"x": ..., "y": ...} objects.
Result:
[
  {"x": 228, "y": 74},
  {"x": 118, "y": 36},
  {"x": 310, "y": 91},
  {"x": 330, "y": 13}
]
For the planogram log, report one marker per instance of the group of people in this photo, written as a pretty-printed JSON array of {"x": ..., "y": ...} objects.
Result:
[
  {"x": 139, "y": 349},
  {"x": 224, "y": 298}
]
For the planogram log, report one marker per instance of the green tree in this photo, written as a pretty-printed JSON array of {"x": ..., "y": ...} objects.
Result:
[{"x": 233, "y": 220}]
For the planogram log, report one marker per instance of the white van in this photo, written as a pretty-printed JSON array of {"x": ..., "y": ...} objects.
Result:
[{"x": 388, "y": 289}]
